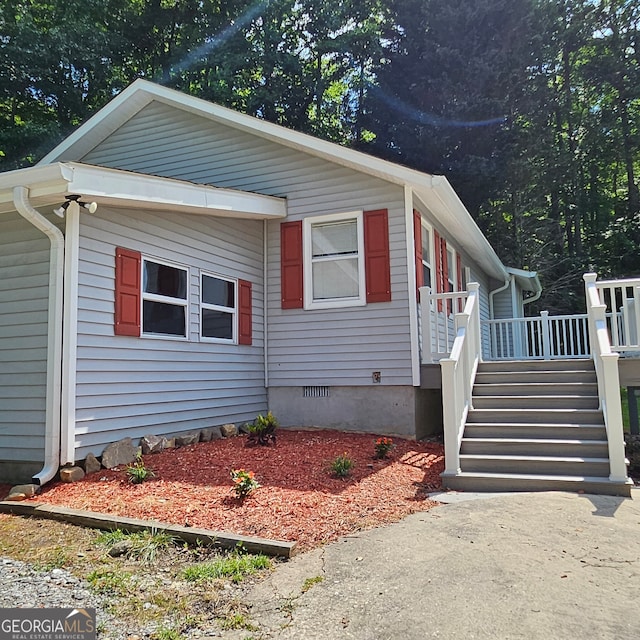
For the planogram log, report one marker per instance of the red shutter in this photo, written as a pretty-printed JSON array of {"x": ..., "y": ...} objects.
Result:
[
  {"x": 127, "y": 293},
  {"x": 438, "y": 265},
  {"x": 245, "y": 321},
  {"x": 417, "y": 243},
  {"x": 445, "y": 265},
  {"x": 376, "y": 256},
  {"x": 459, "y": 271},
  {"x": 291, "y": 264}
]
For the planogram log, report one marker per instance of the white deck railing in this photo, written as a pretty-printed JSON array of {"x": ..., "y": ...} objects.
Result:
[
  {"x": 437, "y": 311},
  {"x": 606, "y": 365},
  {"x": 541, "y": 337},
  {"x": 622, "y": 302},
  {"x": 458, "y": 376}
]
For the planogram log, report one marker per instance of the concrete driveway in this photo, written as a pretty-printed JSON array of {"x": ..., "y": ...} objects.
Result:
[{"x": 529, "y": 566}]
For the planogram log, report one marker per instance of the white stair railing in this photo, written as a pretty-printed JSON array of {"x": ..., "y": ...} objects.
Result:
[
  {"x": 458, "y": 375},
  {"x": 606, "y": 365},
  {"x": 622, "y": 300}
]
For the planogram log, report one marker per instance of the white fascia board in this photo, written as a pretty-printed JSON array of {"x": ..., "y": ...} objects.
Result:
[
  {"x": 120, "y": 188},
  {"x": 527, "y": 280},
  {"x": 49, "y": 184}
]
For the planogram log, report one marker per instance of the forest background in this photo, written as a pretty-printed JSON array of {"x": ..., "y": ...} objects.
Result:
[{"x": 531, "y": 108}]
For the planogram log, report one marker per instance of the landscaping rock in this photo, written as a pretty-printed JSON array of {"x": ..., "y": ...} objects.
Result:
[
  {"x": 23, "y": 491},
  {"x": 117, "y": 453},
  {"x": 152, "y": 444},
  {"x": 244, "y": 428},
  {"x": 210, "y": 433},
  {"x": 121, "y": 548},
  {"x": 71, "y": 474},
  {"x": 169, "y": 443},
  {"x": 91, "y": 464},
  {"x": 229, "y": 430},
  {"x": 186, "y": 439}
]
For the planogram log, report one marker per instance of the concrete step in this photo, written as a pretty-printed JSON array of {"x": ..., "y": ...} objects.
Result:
[
  {"x": 536, "y": 465},
  {"x": 572, "y": 364},
  {"x": 540, "y": 430},
  {"x": 497, "y": 377},
  {"x": 535, "y": 402},
  {"x": 532, "y": 416},
  {"x": 535, "y": 447},
  {"x": 483, "y": 482},
  {"x": 535, "y": 389}
]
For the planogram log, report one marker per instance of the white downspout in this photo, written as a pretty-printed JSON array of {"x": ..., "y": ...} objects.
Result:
[
  {"x": 507, "y": 282},
  {"x": 265, "y": 304},
  {"x": 411, "y": 282},
  {"x": 54, "y": 340}
]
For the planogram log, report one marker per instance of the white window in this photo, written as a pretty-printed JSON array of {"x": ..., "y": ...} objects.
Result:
[
  {"x": 218, "y": 308},
  {"x": 164, "y": 298},
  {"x": 334, "y": 261},
  {"x": 426, "y": 255},
  {"x": 451, "y": 269}
]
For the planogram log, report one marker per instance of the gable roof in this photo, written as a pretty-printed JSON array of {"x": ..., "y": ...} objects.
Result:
[{"x": 434, "y": 191}]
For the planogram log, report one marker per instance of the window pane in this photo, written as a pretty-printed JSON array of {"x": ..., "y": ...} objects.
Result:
[
  {"x": 426, "y": 245},
  {"x": 164, "y": 280},
  {"x": 426, "y": 275},
  {"x": 335, "y": 279},
  {"x": 336, "y": 238},
  {"x": 217, "y": 324},
  {"x": 160, "y": 317},
  {"x": 217, "y": 291}
]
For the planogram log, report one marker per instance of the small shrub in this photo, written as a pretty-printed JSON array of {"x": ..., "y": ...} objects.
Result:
[
  {"x": 633, "y": 454},
  {"x": 137, "y": 472},
  {"x": 342, "y": 466},
  {"x": 383, "y": 446},
  {"x": 244, "y": 482},
  {"x": 262, "y": 431}
]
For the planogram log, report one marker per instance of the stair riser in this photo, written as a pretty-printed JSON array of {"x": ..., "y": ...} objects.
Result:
[
  {"x": 534, "y": 467},
  {"x": 533, "y": 416},
  {"x": 584, "y": 450},
  {"x": 536, "y": 389},
  {"x": 535, "y": 402},
  {"x": 537, "y": 365},
  {"x": 536, "y": 376},
  {"x": 586, "y": 432},
  {"x": 460, "y": 483}
]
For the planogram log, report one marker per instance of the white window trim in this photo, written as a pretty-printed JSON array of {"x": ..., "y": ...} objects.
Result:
[
  {"x": 216, "y": 307},
  {"x": 452, "y": 274},
  {"x": 429, "y": 228},
  {"x": 333, "y": 303},
  {"x": 154, "y": 297}
]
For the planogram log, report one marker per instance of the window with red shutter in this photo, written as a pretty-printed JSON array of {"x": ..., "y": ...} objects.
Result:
[
  {"x": 291, "y": 265},
  {"x": 127, "y": 292},
  {"x": 245, "y": 321},
  {"x": 376, "y": 251}
]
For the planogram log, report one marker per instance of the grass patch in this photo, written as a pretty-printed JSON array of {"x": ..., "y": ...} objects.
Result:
[
  {"x": 111, "y": 583},
  {"x": 144, "y": 545},
  {"x": 234, "y": 567},
  {"x": 310, "y": 582},
  {"x": 237, "y": 621},
  {"x": 167, "y": 633}
]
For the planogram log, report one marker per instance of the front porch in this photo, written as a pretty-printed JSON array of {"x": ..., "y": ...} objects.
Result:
[{"x": 533, "y": 403}]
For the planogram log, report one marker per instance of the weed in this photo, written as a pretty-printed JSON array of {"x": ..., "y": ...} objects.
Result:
[
  {"x": 167, "y": 633},
  {"x": 342, "y": 465},
  {"x": 310, "y": 582},
  {"x": 137, "y": 472},
  {"x": 235, "y": 567},
  {"x": 237, "y": 621},
  {"x": 144, "y": 545},
  {"x": 111, "y": 583}
]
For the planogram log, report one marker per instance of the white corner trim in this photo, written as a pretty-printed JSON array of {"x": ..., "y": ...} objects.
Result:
[{"x": 412, "y": 286}]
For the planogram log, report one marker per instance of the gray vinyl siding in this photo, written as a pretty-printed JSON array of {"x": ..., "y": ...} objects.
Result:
[
  {"x": 128, "y": 386},
  {"x": 315, "y": 347},
  {"x": 24, "y": 291},
  {"x": 503, "y": 304}
]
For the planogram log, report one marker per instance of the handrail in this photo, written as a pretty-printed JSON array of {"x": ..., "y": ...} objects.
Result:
[
  {"x": 606, "y": 365},
  {"x": 458, "y": 376}
]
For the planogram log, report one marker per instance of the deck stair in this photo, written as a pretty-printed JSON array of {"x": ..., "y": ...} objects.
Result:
[{"x": 535, "y": 426}]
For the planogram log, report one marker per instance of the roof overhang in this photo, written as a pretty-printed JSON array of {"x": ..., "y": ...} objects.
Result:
[
  {"x": 526, "y": 280},
  {"x": 50, "y": 184}
]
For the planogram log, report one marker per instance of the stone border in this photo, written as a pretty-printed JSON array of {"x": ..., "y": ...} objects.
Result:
[{"x": 189, "y": 534}]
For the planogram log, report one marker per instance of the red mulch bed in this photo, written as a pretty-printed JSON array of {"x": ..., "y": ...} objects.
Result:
[{"x": 298, "y": 498}]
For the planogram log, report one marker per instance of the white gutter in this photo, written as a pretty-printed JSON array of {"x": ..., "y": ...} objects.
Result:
[
  {"x": 54, "y": 341},
  {"x": 265, "y": 305}
]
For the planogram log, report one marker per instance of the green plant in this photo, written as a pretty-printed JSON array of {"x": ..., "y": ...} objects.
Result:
[
  {"x": 383, "y": 446},
  {"x": 111, "y": 583},
  {"x": 235, "y": 566},
  {"x": 143, "y": 545},
  {"x": 310, "y": 582},
  {"x": 167, "y": 633},
  {"x": 237, "y": 621},
  {"x": 137, "y": 472},
  {"x": 342, "y": 465},
  {"x": 262, "y": 431},
  {"x": 244, "y": 482}
]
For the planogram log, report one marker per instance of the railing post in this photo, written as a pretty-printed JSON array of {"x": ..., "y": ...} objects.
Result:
[
  {"x": 546, "y": 335},
  {"x": 449, "y": 417}
]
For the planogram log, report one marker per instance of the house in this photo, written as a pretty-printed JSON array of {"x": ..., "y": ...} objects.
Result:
[{"x": 175, "y": 265}]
